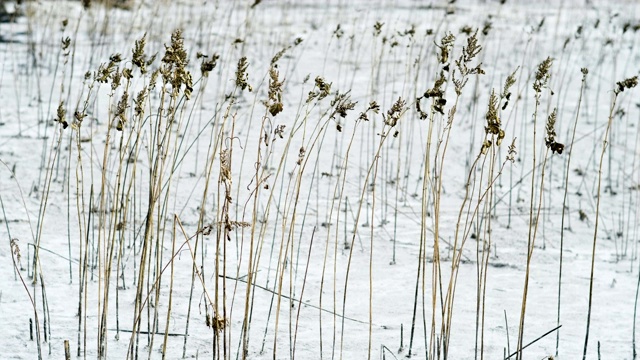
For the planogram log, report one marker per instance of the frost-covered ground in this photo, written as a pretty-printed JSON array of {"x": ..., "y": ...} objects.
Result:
[{"x": 336, "y": 228}]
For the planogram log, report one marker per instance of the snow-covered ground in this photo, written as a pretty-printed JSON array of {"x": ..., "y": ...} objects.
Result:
[{"x": 329, "y": 211}]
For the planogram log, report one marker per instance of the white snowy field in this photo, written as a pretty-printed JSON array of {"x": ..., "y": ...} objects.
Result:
[{"x": 347, "y": 159}]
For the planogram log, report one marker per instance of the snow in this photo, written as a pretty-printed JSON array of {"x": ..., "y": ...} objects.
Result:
[{"x": 330, "y": 314}]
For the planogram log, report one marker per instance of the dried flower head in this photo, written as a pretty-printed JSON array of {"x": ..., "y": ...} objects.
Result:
[
  {"x": 217, "y": 323},
  {"x": 377, "y": 28},
  {"x": 338, "y": 32},
  {"x": 437, "y": 93},
  {"x": 301, "y": 154},
  {"x": 279, "y": 131},
  {"x": 208, "y": 63},
  {"x": 279, "y": 55},
  {"x": 232, "y": 225},
  {"x": 323, "y": 90},
  {"x": 506, "y": 90},
  {"x": 225, "y": 165},
  {"x": 394, "y": 114},
  {"x": 116, "y": 78},
  {"x": 175, "y": 61},
  {"x": 66, "y": 42},
  {"x": 138, "y": 54},
  {"x": 342, "y": 103},
  {"x": 469, "y": 52},
  {"x": 274, "y": 103},
  {"x": 485, "y": 146},
  {"x": 626, "y": 84},
  {"x": 175, "y": 52},
  {"x": 242, "y": 78},
  {"x": 493, "y": 119},
  {"x": 120, "y": 111},
  {"x": 61, "y": 115},
  {"x": 373, "y": 107},
  {"x": 445, "y": 46},
  {"x": 542, "y": 74},
  {"x": 511, "y": 154},
  {"x": 15, "y": 249},
  {"x": 154, "y": 78},
  {"x": 139, "y": 102},
  {"x": 550, "y": 138},
  {"x": 108, "y": 71}
]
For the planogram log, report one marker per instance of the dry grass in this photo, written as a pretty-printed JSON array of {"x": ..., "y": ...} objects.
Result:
[{"x": 278, "y": 188}]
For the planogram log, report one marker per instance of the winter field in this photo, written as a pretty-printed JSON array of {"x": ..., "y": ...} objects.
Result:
[{"x": 319, "y": 179}]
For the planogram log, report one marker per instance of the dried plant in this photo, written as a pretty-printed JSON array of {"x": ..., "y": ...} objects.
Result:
[
  {"x": 626, "y": 84},
  {"x": 323, "y": 90},
  {"x": 445, "y": 47},
  {"x": 15, "y": 250},
  {"x": 550, "y": 139},
  {"x": 61, "y": 115},
  {"x": 106, "y": 72},
  {"x": 394, "y": 114},
  {"x": 274, "y": 103},
  {"x": 225, "y": 165},
  {"x": 506, "y": 90},
  {"x": 208, "y": 63},
  {"x": 341, "y": 104},
  {"x": 217, "y": 323},
  {"x": 242, "y": 78},
  {"x": 373, "y": 107},
  {"x": 175, "y": 61},
  {"x": 139, "y": 102},
  {"x": 120, "y": 111},
  {"x": 139, "y": 59},
  {"x": 542, "y": 75},
  {"x": 493, "y": 119},
  {"x": 437, "y": 93}
]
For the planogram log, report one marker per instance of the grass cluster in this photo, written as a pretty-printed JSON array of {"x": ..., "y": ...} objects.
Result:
[{"x": 208, "y": 186}]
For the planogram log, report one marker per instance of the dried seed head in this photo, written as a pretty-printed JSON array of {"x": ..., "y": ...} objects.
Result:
[
  {"x": 342, "y": 103},
  {"x": 394, "y": 114},
  {"x": 175, "y": 52},
  {"x": 15, "y": 249},
  {"x": 279, "y": 131},
  {"x": 550, "y": 127},
  {"x": 278, "y": 55},
  {"x": 242, "y": 78},
  {"x": 225, "y": 165},
  {"x": 445, "y": 46},
  {"x": 373, "y": 107},
  {"x": 511, "y": 155},
  {"x": 120, "y": 111},
  {"x": 301, "y": 154},
  {"x": 508, "y": 83},
  {"x": 61, "y": 115},
  {"x": 274, "y": 103},
  {"x": 626, "y": 84},
  {"x": 377, "y": 28},
  {"x": 208, "y": 64},
  {"x": 550, "y": 139},
  {"x": 116, "y": 78},
  {"x": 66, "y": 42},
  {"x": 542, "y": 74},
  {"x": 323, "y": 90},
  {"x": 338, "y": 32},
  {"x": 139, "y": 102},
  {"x": 175, "y": 62},
  {"x": 138, "y": 54},
  {"x": 493, "y": 119}
]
